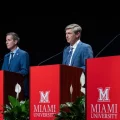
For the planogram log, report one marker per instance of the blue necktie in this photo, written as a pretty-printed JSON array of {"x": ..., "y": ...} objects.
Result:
[
  {"x": 11, "y": 59},
  {"x": 69, "y": 56}
]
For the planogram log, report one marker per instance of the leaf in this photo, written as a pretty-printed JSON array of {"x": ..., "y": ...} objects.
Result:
[
  {"x": 16, "y": 110},
  {"x": 13, "y": 101},
  {"x": 72, "y": 110}
]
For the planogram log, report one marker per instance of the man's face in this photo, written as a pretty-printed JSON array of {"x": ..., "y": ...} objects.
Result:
[
  {"x": 11, "y": 44},
  {"x": 71, "y": 37}
]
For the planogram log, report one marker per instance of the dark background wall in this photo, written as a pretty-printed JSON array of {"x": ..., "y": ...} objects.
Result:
[{"x": 44, "y": 36}]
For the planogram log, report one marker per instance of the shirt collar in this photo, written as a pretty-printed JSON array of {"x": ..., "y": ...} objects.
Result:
[
  {"x": 15, "y": 50},
  {"x": 75, "y": 45}
]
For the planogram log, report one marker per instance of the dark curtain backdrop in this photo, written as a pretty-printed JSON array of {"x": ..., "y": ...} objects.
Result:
[{"x": 44, "y": 36}]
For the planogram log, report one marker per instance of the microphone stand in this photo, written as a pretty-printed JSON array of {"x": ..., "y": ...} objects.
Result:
[
  {"x": 50, "y": 58},
  {"x": 108, "y": 44}
]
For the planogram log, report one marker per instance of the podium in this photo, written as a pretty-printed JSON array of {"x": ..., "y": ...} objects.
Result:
[
  {"x": 50, "y": 86},
  {"x": 103, "y": 88},
  {"x": 8, "y": 80}
]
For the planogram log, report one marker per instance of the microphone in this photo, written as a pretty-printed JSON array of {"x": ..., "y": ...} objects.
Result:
[
  {"x": 51, "y": 57},
  {"x": 108, "y": 44}
]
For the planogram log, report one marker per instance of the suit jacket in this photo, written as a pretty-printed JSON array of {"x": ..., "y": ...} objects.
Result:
[
  {"x": 19, "y": 64},
  {"x": 82, "y": 52}
]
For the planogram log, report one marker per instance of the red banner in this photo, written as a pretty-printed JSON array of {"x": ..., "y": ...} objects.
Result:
[
  {"x": 103, "y": 87},
  {"x": 44, "y": 102}
]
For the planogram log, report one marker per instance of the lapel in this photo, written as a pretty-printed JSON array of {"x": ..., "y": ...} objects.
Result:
[
  {"x": 16, "y": 54},
  {"x": 66, "y": 53},
  {"x": 15, "y": 57},
  {"x": 76, "y": 52},
  {"x": 7, "y": 60}
]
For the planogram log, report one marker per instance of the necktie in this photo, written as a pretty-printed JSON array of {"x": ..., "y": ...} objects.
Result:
[
  {"x": 69, "y": 56},
  {"x": 11, "y": 57}
]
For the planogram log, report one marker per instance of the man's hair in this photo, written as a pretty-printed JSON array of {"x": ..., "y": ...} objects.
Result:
[
  {"x": 75, "y": 28},
  {"x": 15, "y": 36}
]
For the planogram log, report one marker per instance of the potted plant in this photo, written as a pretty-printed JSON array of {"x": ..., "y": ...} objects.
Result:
[
  {"x": 16, "y": 110},
  {"x": 72, "y": 110}
]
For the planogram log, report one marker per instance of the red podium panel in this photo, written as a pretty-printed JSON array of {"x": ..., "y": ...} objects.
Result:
[
  {"x": 49, "y": 87},
  {"x": 8, "y": 80},
  {"x": 103, "y": 87}
]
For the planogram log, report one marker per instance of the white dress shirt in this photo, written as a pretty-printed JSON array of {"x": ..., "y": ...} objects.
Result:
[{"x": 74, "y": 48}]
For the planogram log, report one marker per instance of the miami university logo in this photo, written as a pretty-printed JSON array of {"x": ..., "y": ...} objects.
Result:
[
  {"x": 44, "y": 97},
  {"x": 103, "y": 94}
]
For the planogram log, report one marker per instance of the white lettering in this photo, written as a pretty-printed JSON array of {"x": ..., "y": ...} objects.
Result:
[
  {"x": 44, "y": 97},
  {"x": 104, "y": 95}
]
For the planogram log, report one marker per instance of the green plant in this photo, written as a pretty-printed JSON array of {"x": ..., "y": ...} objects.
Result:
[
  {"x": 72, "y": 110},
  {"x": 16, "y": 110}
]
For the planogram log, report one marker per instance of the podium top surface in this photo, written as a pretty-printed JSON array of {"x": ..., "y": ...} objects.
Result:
[
  {"x": 105, "y": 57},
  {"x": 54, "y": 65},
  {"x": 47, "y": 65}
]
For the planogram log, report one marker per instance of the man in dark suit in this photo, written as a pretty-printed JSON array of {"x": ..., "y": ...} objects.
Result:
[
  {"x": 77, "y": 53},
  {"x": 17, "y": 60}
]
